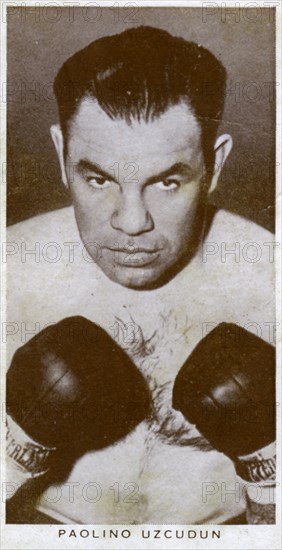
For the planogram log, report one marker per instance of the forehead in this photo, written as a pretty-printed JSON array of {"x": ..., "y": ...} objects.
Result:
[{"x": 92, "y": 131}]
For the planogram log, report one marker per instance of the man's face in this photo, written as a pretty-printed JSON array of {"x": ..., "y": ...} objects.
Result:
[{"x": 136, "y": 190}]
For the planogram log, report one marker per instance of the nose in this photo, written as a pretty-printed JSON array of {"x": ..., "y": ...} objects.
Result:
[{"x": 131, "y": 216}]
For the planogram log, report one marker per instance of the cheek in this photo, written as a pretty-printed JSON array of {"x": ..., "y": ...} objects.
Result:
[
  {"x": 93, "y": 209},
  {"x": 174, "y": 215}
]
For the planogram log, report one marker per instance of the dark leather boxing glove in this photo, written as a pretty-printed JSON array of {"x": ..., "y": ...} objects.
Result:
[
  {"x": 71, "y": 387},
  {"x": 227, "y": 389}
]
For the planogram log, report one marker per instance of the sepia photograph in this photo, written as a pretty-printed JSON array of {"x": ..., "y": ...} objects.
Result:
[{"x": 140, "y": 260}]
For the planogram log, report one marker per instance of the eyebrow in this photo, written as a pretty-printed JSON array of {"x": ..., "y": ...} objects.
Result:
[
  {"x": 85, "y": 165},
  {"x": 180, "y": 168}
]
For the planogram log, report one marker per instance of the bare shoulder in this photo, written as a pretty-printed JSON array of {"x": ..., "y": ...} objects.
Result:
[
  {"x": 234, "y": 240},
  {"x": 239, "y": 258},
  {"x": 35, "y": 249},
  {"x": 227, "y": 225},
  {"x": 40, "y": 279},
  {"x": 57, "y": 224}
]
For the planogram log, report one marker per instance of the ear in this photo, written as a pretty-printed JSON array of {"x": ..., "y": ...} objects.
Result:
[
  {"x": 222, "y": 148},
  {"x": 57, "y": 138}
]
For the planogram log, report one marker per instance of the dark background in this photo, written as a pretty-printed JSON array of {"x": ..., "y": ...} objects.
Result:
[{"x": 39, "y": 41}]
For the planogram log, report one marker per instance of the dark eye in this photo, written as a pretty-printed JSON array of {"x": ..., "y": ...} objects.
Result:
[
  {"x": 167, "y": 185},
  {"x": 98, "y": 182}
]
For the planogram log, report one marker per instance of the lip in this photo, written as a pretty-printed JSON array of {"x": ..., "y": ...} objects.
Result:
[
  {"x": 138, "y": 258},
  {"x": 130, "y": 250}
]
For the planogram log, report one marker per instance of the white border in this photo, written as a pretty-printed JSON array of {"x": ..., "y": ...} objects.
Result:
[{"x": 234, "y": 537}]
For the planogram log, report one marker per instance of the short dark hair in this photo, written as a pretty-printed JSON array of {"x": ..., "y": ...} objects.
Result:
[{"x": 138, "y": 74}]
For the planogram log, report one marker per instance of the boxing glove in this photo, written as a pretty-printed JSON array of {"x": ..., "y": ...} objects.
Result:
[
  {"x": 70, "y": 389},
  {"x": 227, "y": 389}
]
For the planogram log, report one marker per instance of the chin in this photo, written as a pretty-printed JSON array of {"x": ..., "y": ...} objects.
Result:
[
  {"x": 136, "y": 281},
  {"x": 141, "y": 279}
]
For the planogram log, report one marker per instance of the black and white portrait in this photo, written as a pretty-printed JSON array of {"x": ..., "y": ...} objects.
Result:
[{"x": 140, "y": 268}]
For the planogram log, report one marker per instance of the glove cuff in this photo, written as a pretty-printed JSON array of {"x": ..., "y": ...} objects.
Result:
[
  {"x": 258, "y": 466},
  {"x": 26, "y": 456}
]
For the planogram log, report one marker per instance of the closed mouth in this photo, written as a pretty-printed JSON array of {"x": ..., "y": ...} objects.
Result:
[
  {"x": 137, "y": 250},
  {"x": 140, "y": 257},
  {"x": 134, "y": 249}
]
